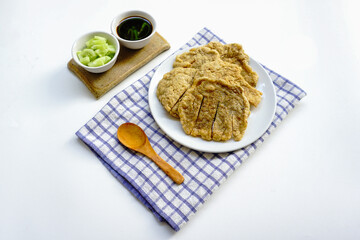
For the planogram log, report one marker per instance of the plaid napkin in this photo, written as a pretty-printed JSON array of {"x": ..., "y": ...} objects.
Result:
[{"x": 203, "y": 172}]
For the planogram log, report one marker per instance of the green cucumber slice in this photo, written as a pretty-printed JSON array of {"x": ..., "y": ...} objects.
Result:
[{"x": 97, "y": 52}]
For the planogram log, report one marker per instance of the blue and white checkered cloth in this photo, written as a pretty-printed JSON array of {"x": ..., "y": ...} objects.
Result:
[{"x": 203, "y": 172}]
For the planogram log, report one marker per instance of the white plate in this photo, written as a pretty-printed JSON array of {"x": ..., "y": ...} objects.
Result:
[{"x": 258, "y": 121}]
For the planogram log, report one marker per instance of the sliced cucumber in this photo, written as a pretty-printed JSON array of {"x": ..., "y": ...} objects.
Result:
[
  {"x": 99, "y": 61},
  {"x": 101, "y": 52},
  {"x": 85, "y": 60},
  {"x": 112, "y": 49},
  {"x": 97, "y": 52}
]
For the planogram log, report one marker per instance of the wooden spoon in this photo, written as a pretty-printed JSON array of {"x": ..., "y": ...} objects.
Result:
[{"x": 133, "y": 137}]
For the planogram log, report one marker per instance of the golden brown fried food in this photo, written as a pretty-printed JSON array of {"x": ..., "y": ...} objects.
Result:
[
  {"x": 210, "y": 89},
  {"x": 234, "y": 53},
  {"x": 214, "y": 110},
  {"x": 232, "y": 73},
  {"x": 196, "y": 57},
  {"x": 173, "y": 85}
]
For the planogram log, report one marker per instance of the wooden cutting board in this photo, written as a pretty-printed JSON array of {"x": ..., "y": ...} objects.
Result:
[{"x": 128, "y": 62}]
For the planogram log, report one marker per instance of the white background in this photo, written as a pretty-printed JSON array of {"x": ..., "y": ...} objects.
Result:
[{"x": 303, "y": 183}]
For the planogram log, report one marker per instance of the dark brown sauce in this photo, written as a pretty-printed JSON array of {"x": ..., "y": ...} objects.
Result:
[{"x": 134, "y": 28}]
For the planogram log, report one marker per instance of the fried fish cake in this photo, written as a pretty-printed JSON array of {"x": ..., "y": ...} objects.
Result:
[
  {"x": 210, "y": 89},
  {"x": 232, "y": 73},
  {"x": 234, "y": 53},
  {"x": 196, "y": 57},
  {"x": 214, "y": 110},
  {"x": 173, "y": 85}
]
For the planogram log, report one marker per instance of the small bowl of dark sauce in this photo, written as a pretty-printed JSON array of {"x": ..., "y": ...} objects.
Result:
[{"x": 133, "y": 29}]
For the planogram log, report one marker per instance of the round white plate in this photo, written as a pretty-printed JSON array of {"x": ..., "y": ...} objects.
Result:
[{"x": 258, "y": 121}]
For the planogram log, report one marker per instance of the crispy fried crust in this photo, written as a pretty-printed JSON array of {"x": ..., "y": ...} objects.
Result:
[
  {"x": 234, "y": 53},
  {"x": 210, "y": 89},
  {"x": 196, "y": 57},
  {"x": 232, "y": 73},
  {"x": 173, "y": 85},
  {"x": 214, "y": 110}
]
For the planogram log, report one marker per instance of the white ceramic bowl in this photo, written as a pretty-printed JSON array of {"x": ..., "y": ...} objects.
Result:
[
  {"x": 133, "y": 44},
  {"x": 79, "y": 44}
]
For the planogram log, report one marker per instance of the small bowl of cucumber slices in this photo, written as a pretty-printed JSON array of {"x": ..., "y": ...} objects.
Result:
[{"x": 96, "y": 51}]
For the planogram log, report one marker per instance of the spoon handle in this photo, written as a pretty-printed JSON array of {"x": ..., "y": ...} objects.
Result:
[{"x": 166, "y": 168}]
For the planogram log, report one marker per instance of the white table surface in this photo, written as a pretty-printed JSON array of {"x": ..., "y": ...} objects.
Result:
[{"x": 302, "y": 183}]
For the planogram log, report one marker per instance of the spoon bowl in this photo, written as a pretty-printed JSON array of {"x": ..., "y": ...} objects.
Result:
[{"x": 133, "y": 137}]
